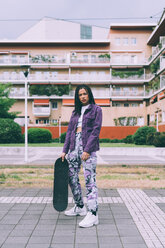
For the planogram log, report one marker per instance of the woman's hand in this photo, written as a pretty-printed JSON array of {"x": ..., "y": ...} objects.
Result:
[
  {"x": 85, "y": 156},
  {"x": 63, "y": 156}
]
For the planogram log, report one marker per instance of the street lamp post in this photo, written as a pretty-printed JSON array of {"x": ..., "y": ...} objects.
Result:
[
  {"x": 59, "y": 129},
  {"x": 157, "y": 121},
  {"x": 26, "y": 72}
]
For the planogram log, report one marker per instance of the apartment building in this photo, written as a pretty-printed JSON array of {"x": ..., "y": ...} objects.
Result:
[{"x": 124, "y": 66}]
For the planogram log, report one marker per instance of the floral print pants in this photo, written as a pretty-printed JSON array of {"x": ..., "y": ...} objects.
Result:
[{"x": 89, "y": 169}]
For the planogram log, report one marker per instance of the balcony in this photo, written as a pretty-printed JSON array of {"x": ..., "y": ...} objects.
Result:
[
  {"x": 90, "y": 77},
  {"x": 127, "y": 93},
  {"x": 48, "y": 59},
  {"x": 17, "y": 92},
  {"x": 41, "y": 111},
  {"x": 8, "y": 60},
  {"x": 80, "y": 60},
  {"x": 156, "y": 50},
  {"x": 48, "y": 76}
]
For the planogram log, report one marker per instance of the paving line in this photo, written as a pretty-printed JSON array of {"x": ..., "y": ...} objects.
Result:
[
  {"x": 148, "y": 217},
  {"x": 43, "y": 200}
]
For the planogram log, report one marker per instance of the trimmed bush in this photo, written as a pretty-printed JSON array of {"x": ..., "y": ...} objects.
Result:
[
  {"x": 150, "y": 138},
  {"x": 159, "y": 139},
  {"x": 104, "y": 140},
  {"x": 39, "y": 135},
  {"x": 140, "y": 137},
  {"x": 62, "y": 137},
  {"x": 128, "y": 139},
  {"x": 10, "y": 132}
]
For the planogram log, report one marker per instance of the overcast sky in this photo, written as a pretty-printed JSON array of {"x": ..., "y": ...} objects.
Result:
[{"x": 16, "y": 16}]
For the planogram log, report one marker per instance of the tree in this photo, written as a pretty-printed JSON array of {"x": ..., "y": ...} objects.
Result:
[{"x": 6, "y": 102}]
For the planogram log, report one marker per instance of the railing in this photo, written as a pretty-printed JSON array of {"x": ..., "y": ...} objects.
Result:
[
  {"x": 17, "y": 92},
  {"x": 134, "y": 77},
  {"x": 10, "y": 61},
  {"x": 80, "y": 60},
  {"x": 61, "y": 60},
  {"x": 127, "y": 93},
  {"x": 41, "y": 111},
  {"x": 49, "y": 77},
  {"x": 89, "y": 77},
  {"x": 162, "y": 63},
  {"x": 156, "y": 49}
]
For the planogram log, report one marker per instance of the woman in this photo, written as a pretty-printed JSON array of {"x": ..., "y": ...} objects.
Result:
[{"x": 82, "y": 142}]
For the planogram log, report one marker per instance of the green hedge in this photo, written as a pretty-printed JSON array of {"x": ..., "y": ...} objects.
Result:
[
  {"x": 140, "y": 136},
  {"x": 39, "y": 135},
  {"x": 10, "y": 132},
  {"x": 158, "y": 139}
]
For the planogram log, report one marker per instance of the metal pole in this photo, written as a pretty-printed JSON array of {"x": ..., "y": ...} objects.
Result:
[
  {"x": 26, "y": 119},
  {"x": 59, "y": 129},
  {"x": 26, "y": 124},
  {"x": 157, "y": 127}
]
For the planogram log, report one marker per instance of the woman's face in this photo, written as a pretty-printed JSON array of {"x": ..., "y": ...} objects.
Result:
[{"x": 83, "y": 96}]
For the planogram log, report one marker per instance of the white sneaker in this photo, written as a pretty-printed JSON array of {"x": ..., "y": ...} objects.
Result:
[
  {"x": 76, "y": 211},
  {"x": 89, "y": 220}
]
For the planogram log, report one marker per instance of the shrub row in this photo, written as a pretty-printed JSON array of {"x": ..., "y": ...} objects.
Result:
[{"x": 10, "y": 132}]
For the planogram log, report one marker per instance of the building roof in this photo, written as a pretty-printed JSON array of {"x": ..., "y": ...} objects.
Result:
[
  {"x": 158, "y": 31},
  {"x": 132, "y": 26}
]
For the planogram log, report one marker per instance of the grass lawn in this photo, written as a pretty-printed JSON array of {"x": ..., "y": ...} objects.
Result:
[
  {"x": 61, "y": 145},
  {"x": 107, "y": 177}
]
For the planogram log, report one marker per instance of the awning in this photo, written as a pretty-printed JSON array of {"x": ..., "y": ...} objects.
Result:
[
  {"x": 68, "y": 102},
  {"x": 41, "y": 101},
  {"x": 153, "y": 99},
  {"x": 162, "y": 95},
  {"x": 101, "y": 102}
]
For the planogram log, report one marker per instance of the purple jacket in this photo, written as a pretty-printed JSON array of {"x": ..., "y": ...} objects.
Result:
[{"x": 91, "y": 126}]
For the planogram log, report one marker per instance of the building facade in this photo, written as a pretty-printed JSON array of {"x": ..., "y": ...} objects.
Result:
[{"x": 124, "y": 67}]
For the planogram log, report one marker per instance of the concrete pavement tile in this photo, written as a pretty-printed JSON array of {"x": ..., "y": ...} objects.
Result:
[
  {"x": 63, "y": 239},
  {"x": 48, "y": 216},
  {"x": 16, "y": 240},
  {"x": 110, "y": 240},
  {"x": 31, "y": 217},
  {"x": 86, "y": 239},
  {"x": 24, "y": 227},
  {"x": 111, "y": 193},
  {"x": 39, "y": 240},
  {"x": 64, "y": 232},
  {"x": 132, "y": 240},
  {"x": 128, "y": 221},
  {"x": 47, "y": 222},
  {"x": 161, "y": 192},
  {"x": 13, "y": 246},
  {"x": 21, "y": 233},
  {"x": 135, "y": 246},
  {"x": 91, "y": 231},
  {"x": 38, "y": 246},
  {"x": 111, "y": 245},
  {"x": 44, "y": 227},
  {"x": 94, "y": 245},
  {"x": 28, "y": 222},
  {"x": 151, "y": 192},
  {"x": 66, "y": 222},
  {"x": 60, "y": 246},
  {"x": 22, "y": 206},
  {"x": 106, "y": 221},
  {"x": 6, "y": 227},
  {"x": 43, "y": 233}
]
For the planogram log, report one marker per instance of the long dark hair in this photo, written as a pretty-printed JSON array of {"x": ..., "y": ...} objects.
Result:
[{"x": 78, "y": 104}]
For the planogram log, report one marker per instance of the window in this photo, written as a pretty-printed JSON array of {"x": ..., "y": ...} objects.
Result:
[
  {"x": 85, "y": 32},
  {"x": 133, "y": 59},
  {"x": 117, "y": 41},
  {"x": 14, "y": 59},
  {"x": 133, "y": 41},
  {"x": 54, "y": 121},
  {"x": 125, "y": 41},
  {"x": 54, "y": 105},
  {"x": 140, "y": 121},
  {"x": 42, "y": 121},
  {"x": 126, "y": 104},
  {"x": 93, "y": 58},
  {"x": 115, "y": 104},
  {"x": 117, "y": 59},
  {"x": 163, "y": 116},
  {"x": 134, "y": 104},
  {"x": 85, "y": 58},
  {"x": 125, "y": 59}
]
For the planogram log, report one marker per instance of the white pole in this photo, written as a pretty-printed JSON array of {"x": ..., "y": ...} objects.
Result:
[
  {"x": 26, "y": 124},
  {"x": 157, "y": 127},
  {"x": 59, "y": 129}
]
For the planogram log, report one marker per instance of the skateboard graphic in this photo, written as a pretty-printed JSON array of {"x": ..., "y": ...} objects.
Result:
[{"x": 60, "y": 189}]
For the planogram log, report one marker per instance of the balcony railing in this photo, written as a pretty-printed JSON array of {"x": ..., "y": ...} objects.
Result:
[
  {"x": 10, "y": 61},
  {"x": 17, "y": 92},
  {"x": 49, "y": 77},
  {"x": 127, "y": 93},
  {"x": 80, "y": 60},
  {"x": 89, "y": 77},
  {"x": 134, "y": 77},
  {"x": 156, "y": 49},
  {"x": 41, "y": 111},
  {"x": 45, "y": 60}
]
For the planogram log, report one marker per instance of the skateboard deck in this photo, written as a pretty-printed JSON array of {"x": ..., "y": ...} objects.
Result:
[{"x": 60, "y": 189}]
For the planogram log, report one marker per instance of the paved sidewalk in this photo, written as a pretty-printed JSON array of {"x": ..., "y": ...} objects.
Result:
[
  {"x": 108, "y": 156},
  {"x": 129, "y": 218}
]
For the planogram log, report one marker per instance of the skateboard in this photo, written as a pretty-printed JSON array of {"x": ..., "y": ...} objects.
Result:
[{"x": 60, "y": 189}]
